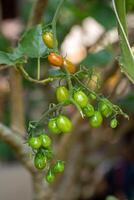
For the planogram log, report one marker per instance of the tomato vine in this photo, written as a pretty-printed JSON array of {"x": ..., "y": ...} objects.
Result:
[{"x": 92, "y": 106}]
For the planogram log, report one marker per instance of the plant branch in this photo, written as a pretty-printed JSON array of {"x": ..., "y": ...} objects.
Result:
[
  {"x": 29, "y": 78},
  {"x": 16, "y": 142},
  {"x": 34, "y": 124}
]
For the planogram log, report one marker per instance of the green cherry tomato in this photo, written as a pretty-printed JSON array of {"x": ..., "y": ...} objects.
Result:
[
  {"x": 92, "y": 96},
  {"x": 81, "y": 99},
  {"x": 48, "y": 39},
  {"x": 34, "y": 142},
  {"x": 88, "y": 110},
  {"x": 40, "y": 161},
  {"x": 50, "y": 176},
  {"x": 49, "y": 153},
  {"x": 59, "y": 166},
  {"x": 62, "y": 94},
  {"x": 96, "y": 120},
  {"x": 52, "y": 126},
  {"x": 105, "y": 108},
  {"x": 64, "y": 124},
  {"x": 45, "y": 140},
  {"x": 113, "y": 123}
]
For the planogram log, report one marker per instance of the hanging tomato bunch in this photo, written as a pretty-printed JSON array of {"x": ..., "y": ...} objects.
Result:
[{"x": 91, "y": 106}]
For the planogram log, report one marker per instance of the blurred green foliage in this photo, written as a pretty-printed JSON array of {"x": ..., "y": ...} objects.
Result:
[
  {"x": 98, "y": 59},
  {"x": 127, "y": 103}
]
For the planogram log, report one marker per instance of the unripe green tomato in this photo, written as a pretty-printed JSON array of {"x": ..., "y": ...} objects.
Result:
[
  {"x": 52, "y": 126},
  {"x": 34, "y": 142},
  {"x": 59, "y": 166},
  {"x": 48, "y": 39},
  {"x": 64, "y": 124},
  {"x": 49, "y": 153},
  {"x": 88, "y": 110},
  {"x": 113, "y": 123},
  {"x": 92, "y": 96},
  {"x": 81, "y": 99},
  {"x": 50, "y": 176},
  {"x": 96, "y": 120},
  {"x": 62, "y": 94},
  {"x": 105, "y": 108},
  {"x": 45, "y": 140},
  {"x": 40, "y": 161}
]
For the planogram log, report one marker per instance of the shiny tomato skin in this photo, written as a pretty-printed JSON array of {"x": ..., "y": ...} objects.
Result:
[
  {"x": 34, "y": 142},
  {"x": 52, "y": 126},
  {"x": 88, "y": 110},
  {"x": 50, "y": 176},
  {"x": 105, "y": 108},
  {"x": 45, "y": 140},
  {"x": 81, "y": 98},
  {"x": 64, "y": 124},
  {"x": 69, "y": 66},
  {"x": 48, "y": 39},
  {"x": 40, "y": 161},
  {"x": 96, "y": 120},
  {"x": 55, "y": 59},
  {"x": 114, "y": 123},
  {"x": 59, "y": 166},
  {"x": 62, "y": 94}
]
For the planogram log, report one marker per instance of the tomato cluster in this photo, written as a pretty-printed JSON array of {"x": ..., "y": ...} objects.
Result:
[
  {"x": 58, "y": 167},
  {"x": 54, "y": 58},
  {"x": 41, "y": 146},
  {"x": 60, "y": 124},
  {"x": 91, "y": 106},
  {"x": 95, "y": 115}
]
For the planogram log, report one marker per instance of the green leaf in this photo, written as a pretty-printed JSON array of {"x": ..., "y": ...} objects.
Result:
[
  {"x": 5, "y": 59},
  {"x": 100, "y": 58},
  {"x": 4, "y": 44},
  {"x": 127, "y": 58},
  {"x": 32, "y": 44},
  {"x": 127, "y": 103},
  {"x": 104, "y": 14}
]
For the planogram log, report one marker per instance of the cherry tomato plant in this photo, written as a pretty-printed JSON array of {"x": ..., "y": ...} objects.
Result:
[{"x": 92, "y": 106}]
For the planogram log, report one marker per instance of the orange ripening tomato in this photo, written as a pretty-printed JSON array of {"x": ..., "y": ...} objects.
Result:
[
  {"x": 55, "y": 59},
  {"x": 69, "y": 66}
]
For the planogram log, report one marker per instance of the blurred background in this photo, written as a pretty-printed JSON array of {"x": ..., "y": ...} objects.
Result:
[{"x": 100, "y": 162}]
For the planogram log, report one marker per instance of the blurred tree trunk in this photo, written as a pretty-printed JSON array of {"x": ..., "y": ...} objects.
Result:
[{"x": 17, "y": 101}]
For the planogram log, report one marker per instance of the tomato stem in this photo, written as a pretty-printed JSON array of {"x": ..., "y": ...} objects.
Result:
[
  {"x": 70, "y": 86},
  {"x": 77, "y": 106},
  {"x": 38, "y": 69},
  {"x": 54, "y": 22},
  {"x": 46, "y": 114},
  {"x": 29, "y": 78}
]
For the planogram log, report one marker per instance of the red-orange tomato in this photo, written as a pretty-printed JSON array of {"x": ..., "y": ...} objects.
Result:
[
  {"x": 55, "y": 59},
  {"x": 69, "y": 66}
]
